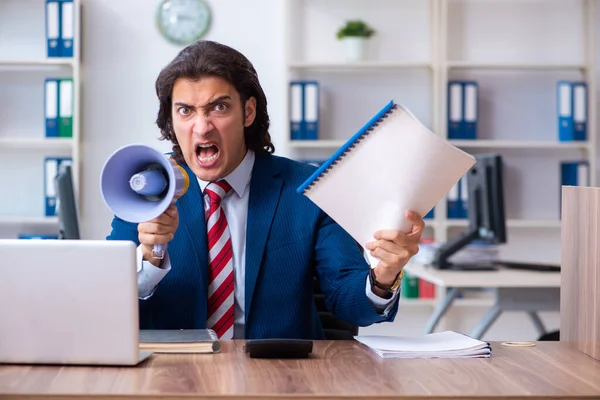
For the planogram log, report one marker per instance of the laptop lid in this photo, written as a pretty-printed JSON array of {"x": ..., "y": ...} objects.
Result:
[{"x": 68, "y": 302}]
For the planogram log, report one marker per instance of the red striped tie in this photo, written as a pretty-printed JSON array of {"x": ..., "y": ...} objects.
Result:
[{"x": 220, "y": 263}]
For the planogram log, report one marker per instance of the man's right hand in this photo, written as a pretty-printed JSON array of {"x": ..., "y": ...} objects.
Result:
[{"x": 160, "y": 230}]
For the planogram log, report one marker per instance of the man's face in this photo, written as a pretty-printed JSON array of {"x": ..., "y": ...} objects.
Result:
[{"x": 209, "y": 121}]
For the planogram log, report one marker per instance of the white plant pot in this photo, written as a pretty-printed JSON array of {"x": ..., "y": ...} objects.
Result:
[{"x": 355, "y": 47}]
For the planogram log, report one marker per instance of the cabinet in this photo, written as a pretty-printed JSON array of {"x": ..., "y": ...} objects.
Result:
[
  {"x": 24, "y": 68},
  {"x": 516, "y": 50}
]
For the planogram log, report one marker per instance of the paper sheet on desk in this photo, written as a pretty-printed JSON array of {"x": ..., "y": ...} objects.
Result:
[
  {"x": 446, "y": 344},
  {"x": 393, "y": 164}
]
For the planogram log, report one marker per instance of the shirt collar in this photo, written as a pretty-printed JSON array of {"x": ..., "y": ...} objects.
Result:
[{"x": 239, "y": 178}]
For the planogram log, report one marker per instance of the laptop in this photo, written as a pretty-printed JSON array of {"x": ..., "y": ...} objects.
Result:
[{"x": 69, "y": 302}]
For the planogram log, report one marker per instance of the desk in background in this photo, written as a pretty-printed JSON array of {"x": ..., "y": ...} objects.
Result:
[
  {"x": 515, "y": 290},
  {"x": 337, "y": 369}
]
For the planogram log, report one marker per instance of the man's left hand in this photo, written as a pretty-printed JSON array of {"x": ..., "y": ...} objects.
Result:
[{"x": 395, "y": 248}]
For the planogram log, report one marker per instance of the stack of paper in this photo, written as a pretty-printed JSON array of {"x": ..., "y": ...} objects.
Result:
[{"x": 435, "y": 345}]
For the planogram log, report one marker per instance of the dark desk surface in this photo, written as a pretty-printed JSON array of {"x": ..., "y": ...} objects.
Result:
[{"x": 336, "y": 370}]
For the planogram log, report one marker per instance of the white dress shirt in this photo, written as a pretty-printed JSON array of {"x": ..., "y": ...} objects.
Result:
[{"x": 235, "y": 206}]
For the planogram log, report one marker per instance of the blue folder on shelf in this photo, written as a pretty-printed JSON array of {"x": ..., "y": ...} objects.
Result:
[
  {"x": 53, "y": 26},
  {"x": 394, "y": 163},
  {"x": 51, "y": 101}
]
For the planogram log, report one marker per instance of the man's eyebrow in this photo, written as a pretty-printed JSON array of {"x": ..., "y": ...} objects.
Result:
[
  {"x": 182, "y": 104},
  {"x": 207, "y": 105},
  {"x": 217, "y": 100}
]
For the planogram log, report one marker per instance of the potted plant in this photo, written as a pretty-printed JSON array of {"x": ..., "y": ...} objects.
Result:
[{"x": 354, "y": 35}]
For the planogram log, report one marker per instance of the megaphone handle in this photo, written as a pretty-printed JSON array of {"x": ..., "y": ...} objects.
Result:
[{"x": 158, "y": 251}]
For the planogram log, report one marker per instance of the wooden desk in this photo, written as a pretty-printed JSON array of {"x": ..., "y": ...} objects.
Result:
[
  {"x": 342, "y": 369},
  {"x": 515, "y": 290}
]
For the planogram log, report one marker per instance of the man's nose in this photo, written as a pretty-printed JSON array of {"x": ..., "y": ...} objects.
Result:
[{"x": 203, "y": 125}]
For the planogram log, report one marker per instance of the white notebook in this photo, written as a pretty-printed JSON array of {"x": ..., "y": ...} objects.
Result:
[
  {"x": 446, "y": 344},
  {"x": 393, "y": 164}
]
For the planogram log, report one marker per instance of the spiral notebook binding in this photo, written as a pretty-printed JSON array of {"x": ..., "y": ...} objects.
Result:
[{"x": 349, "y": 146}]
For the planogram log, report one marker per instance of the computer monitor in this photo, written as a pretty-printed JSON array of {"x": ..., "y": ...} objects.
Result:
[
  {"x": 66, "y": 204},
  {"x": 485, "y": 211}
]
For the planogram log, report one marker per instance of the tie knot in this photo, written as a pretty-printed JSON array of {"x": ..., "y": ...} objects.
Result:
[{"x": 217, "y": 191}]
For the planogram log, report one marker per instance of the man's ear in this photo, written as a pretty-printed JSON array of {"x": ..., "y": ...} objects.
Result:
[{"x": 249, "y": 111}]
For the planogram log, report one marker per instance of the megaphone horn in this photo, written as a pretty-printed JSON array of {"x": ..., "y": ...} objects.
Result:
[{"x": 138, "y": 184}]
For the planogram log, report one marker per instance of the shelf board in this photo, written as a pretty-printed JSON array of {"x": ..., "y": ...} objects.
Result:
[
  {"x": 476, "y": 144},
  {"x": 38, "y": 62},
  {"x": 356, "y": 66},
  {"x": 14, "y": 220},
  {"x": 512, "y": 223},
  {"x": 317, "y": 144},
  {"x": 520, "y": 144},
  {"x": 492, "y": 65},
  {"x": 37, "y": 144}
]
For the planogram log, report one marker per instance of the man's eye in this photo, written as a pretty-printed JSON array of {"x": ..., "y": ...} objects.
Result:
[
  {"x": 221, "y": 107},
  {"x": 183, "y": 111}
]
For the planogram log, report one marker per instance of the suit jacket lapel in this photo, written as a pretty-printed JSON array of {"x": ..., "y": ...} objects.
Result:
[
  {"x": 191, "y": 206},
  {"x": 265, "y": 190}
]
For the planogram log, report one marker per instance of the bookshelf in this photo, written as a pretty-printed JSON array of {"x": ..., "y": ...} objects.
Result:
[
  {"x": 508, "y": 47},
  {"x": 24, "y": 66}
]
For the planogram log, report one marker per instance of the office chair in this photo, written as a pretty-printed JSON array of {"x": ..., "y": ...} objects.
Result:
[{"x": 335, "y": 328}]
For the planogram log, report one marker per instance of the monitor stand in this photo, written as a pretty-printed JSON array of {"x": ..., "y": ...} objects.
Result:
[{"x": 444, "y": 252}]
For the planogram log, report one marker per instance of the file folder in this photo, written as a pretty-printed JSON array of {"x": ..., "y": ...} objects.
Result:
[
  {"x": 575, "y": 173},
  {"x": 52, "y": 28},
  {"x": 67, "y": 28},
  {"x": 470, "y": 110},
  {"x": 564, "y": 94},
  {"x": 65, "y": 128},
  {"x": 52, "y": 165},
  {"x": 455, "y": 110},
  {"x": 430, "y": 214},
  {"x": 51, "y": 107},
  {"x": 296, "y": 110},
  {"x": 453, "y": 202},
  {"x": 311, "y": 110},
  {"x": 580, "y": 110},
  {"x": 464, "y": 198}
]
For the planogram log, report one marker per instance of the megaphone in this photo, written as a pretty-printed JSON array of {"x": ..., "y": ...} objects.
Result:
[{"x": 139, "y": 183}]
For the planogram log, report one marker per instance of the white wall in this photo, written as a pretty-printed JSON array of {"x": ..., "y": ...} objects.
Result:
[{"x": 123, "y": 53}]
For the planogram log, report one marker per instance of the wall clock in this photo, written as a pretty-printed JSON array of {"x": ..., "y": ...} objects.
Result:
[{"x": 183, "y": 22}]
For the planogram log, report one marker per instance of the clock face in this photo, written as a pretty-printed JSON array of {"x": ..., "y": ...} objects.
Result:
[{"x": 183, "y": 22}]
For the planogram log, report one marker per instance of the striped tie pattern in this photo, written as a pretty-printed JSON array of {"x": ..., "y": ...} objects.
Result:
[{"x": 220, "y": 263}]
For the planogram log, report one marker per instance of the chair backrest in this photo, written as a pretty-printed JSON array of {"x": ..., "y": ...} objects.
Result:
[{"x": 335, "y": 328}]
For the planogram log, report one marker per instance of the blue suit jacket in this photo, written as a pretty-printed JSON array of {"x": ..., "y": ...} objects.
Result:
[{"x": 288, "y": 240}]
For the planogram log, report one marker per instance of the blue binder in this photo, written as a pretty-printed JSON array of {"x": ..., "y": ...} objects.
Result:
[
  {"x": 575, "y": 173},
  {"x": 580, "y": 110},
  {"x": 470, "y": 109},
  {"x": 67, "y": 28},
  {"x": 455, "y": 110},
  {"x": 51, "y": 102},
  {"x": 311, "y": 110},
  {"x": 564, "y": 108},
  {"x": 52, "y": 165},
  {"x": 463, "y": 198},
  {"x": 453, "y": 202},
  {"x": 38, "y": 237},
  {"x": 296, "y": 110},
  {"x": 53, "y": 26},
  {"x": 430, "y": 214}
]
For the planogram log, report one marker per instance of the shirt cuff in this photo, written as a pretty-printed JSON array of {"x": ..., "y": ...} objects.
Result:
[
  {"x": 148, "y": 275},
  {"x": 382, "y": 305}
]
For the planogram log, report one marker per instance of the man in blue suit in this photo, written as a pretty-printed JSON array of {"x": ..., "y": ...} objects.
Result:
[{"x": 243, "y": 245}]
